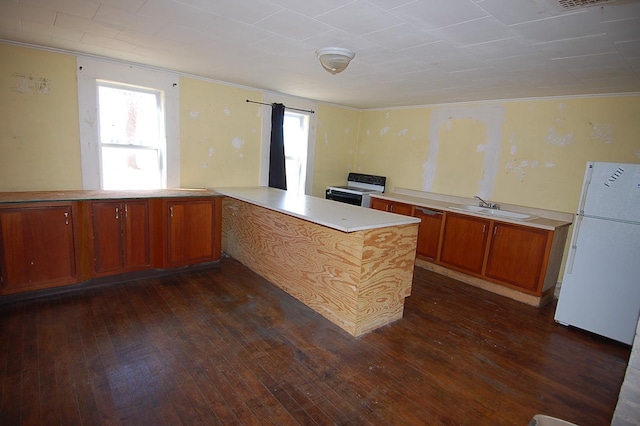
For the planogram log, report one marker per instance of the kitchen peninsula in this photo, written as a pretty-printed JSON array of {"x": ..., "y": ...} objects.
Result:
[{"x": 350, "y": 264}]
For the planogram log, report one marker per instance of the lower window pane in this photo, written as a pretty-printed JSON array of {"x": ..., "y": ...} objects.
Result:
[{"x": 130, "y": 168}]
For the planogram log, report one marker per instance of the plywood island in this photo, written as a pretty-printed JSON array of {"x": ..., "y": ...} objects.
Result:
[{"x": 352, "y": 265}]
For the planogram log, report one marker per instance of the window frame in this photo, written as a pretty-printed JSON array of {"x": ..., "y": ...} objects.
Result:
[
  {"x": 159, "y": 148},
  {"x": 90, "y": 72}
]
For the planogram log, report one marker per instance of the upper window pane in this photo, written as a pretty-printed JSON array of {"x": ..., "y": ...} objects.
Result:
[{"x": 128, "y": 117}]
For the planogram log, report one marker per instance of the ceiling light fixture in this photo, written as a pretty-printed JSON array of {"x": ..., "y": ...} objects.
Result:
[{"x": 334, "y": 59}]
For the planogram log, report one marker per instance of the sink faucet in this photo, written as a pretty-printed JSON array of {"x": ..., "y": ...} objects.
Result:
[{"x": 487, "y": 204}]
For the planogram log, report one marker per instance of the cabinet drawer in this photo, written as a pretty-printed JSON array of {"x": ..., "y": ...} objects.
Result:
[{"x": 391, "y": 206}]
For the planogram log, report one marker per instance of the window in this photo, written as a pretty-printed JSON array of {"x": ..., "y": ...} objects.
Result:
[
  {"x": 299, "y": 129},
  {"x": 129, "y": 126},
  {"x": 296, "y": 135},
  {"x": 131, "y": 137}
]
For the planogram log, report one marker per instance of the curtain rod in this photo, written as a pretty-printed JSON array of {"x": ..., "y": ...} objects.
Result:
[{"x": 295, "y": 109}]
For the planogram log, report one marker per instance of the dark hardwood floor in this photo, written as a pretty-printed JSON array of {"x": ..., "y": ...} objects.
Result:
[{"x": 223, "y": 346}]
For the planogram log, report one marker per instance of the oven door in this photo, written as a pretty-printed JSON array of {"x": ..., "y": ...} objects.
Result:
[{"x": 343, "y": 197}]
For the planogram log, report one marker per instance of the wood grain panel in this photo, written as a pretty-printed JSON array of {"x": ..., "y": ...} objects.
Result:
[
  {"x": 357, "y": 280},
  {"x": 387, "y": 273}
]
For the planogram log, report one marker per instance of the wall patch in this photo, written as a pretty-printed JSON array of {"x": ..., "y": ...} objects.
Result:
[
  {"x": 554, "y": 138},
  {"x": 493, "y": 118},
  {"x": 601, "y": 132},
  {"x": 237, "y": 142},
  {"x": 31, "y": 84}
]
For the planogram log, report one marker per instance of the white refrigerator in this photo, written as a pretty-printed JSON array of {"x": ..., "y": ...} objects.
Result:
[{"x": 600, "y": 289}]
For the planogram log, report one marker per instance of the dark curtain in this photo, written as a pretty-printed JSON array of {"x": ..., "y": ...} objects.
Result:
[{"x": 277, "y": 174}]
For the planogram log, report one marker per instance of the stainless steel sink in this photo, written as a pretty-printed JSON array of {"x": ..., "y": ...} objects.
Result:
[{"x": 492, "y": 212}]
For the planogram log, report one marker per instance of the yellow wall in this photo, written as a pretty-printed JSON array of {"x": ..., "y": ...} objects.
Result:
[
  {"x": 220, "y": 135},
  {"x": 393, "y": 143},
  {"x": 518, "y": 152},
  {"x": 530, "y": 153},
  {"x": 336, "y": 142},
  {"x": 39, "y": 148}
]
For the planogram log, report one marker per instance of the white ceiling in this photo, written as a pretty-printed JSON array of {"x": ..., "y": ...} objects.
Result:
[{"x": 408, "y": 52}]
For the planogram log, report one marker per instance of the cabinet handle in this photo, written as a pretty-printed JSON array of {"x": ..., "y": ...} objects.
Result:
[
  {"x": 126, "y": 211},
  {"x": 171, "y": 211},
  {"x": 495, "y": 230},
  {"x": 117, "y": 213},
  {"x": 66, "y": 218},
  {"x": 484, "y": 228}
]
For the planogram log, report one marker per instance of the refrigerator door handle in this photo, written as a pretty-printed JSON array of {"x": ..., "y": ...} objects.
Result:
[
  {"x": 574, "y": 244},
  {"x": 585, "y": 187}
]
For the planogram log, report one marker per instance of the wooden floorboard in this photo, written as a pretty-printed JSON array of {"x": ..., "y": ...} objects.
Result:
[{"x": 224, "y": 346}]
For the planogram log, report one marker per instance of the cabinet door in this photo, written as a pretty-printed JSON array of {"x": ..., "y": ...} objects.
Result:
[
  {"x": 517, "y": 255},
  {"x": 107, "y": 236},
  {"x": 38, "y": 247},
  {"x": 190, "y": 232},
  {"x": 136, "y": 235},
  {"x": 463, "y": 242},
  {"x": 121, "y": 236},
  {"x": 428, "y": 232}
]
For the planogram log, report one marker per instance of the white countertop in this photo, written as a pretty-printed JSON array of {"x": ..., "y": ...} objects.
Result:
[
  {"x": 543, "y": 219},
  {"x": 333, "y": 214}
]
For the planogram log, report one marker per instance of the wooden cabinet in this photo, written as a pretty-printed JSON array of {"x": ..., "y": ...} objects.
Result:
[
  {"x": 38, "y": 246},
  {"x": 513, "y": 255},
  {"x": 515, "y": 259},
  {"x": 193, "y": 228},
  {"x": 391, "y": 206},
  {"x": 464, "y": 240},
  {"x": 120, "y": 236},
  {"x": 428, "y": 232},
  {"x": 48, "y": 244},
  {"x": 518, "y": 255}
]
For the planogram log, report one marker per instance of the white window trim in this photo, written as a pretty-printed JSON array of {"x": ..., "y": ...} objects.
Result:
[
  {"x": 290, "y": 102},
  {"x": 88, "y": 71}
]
